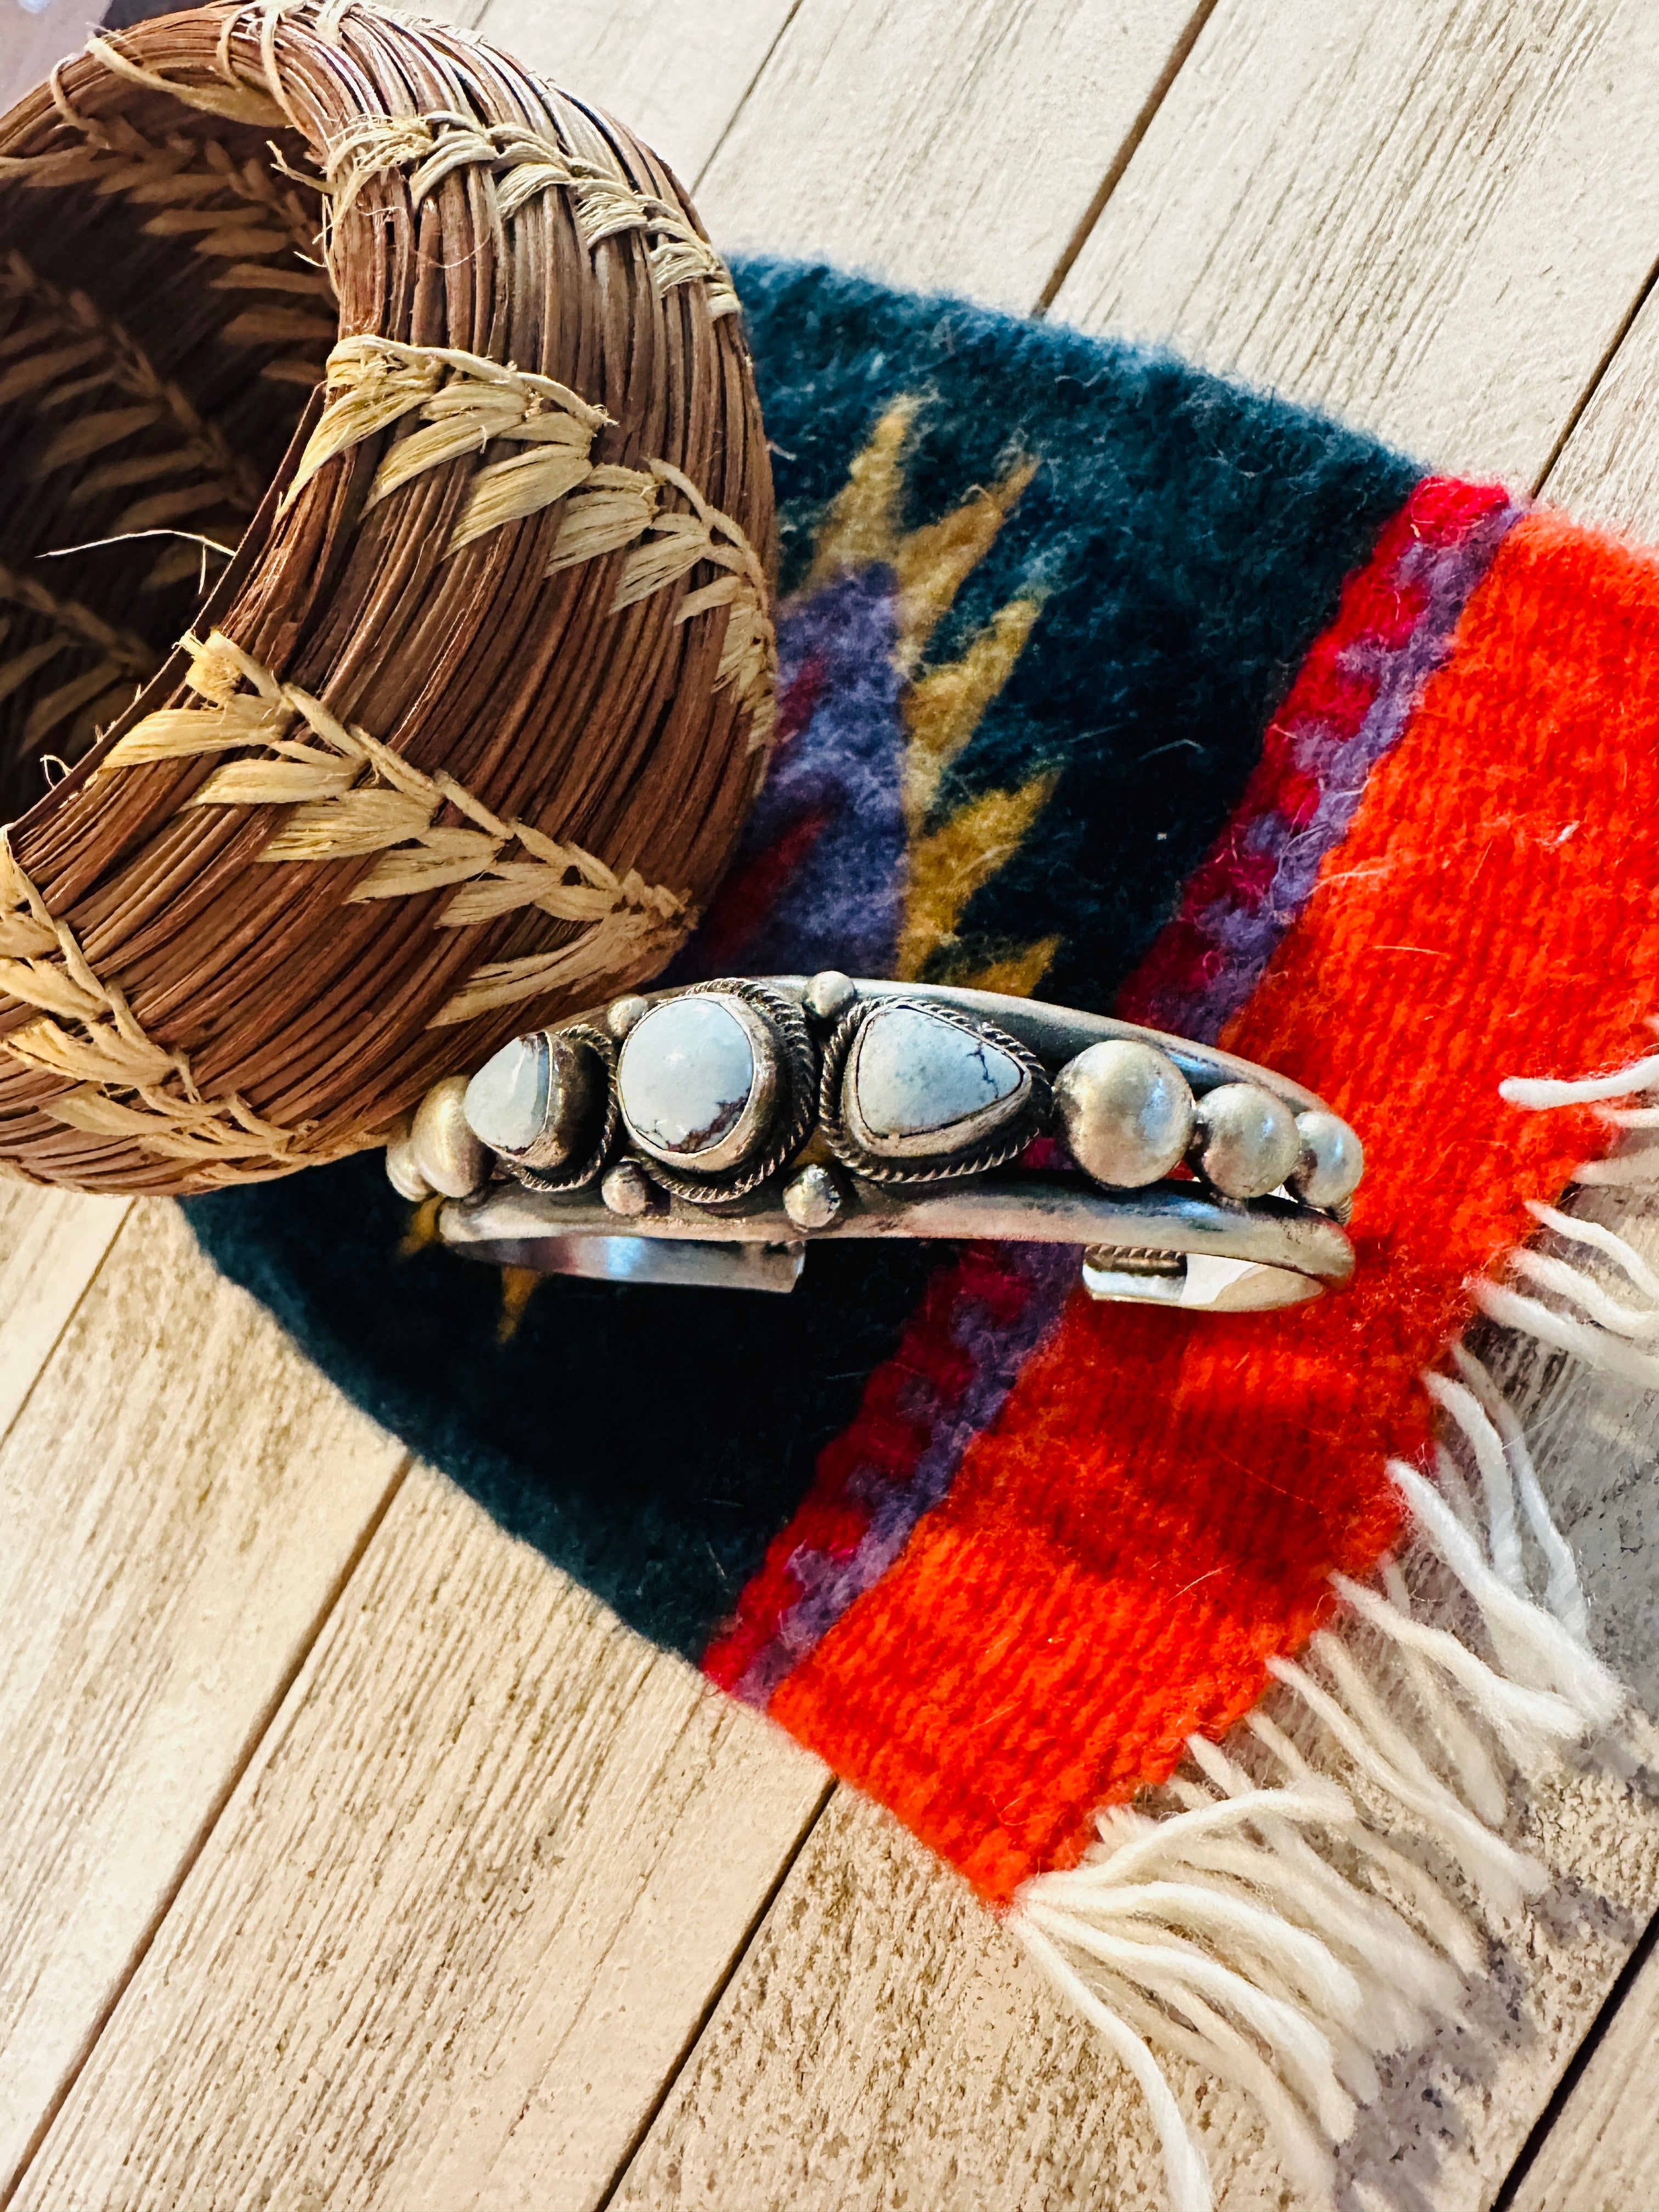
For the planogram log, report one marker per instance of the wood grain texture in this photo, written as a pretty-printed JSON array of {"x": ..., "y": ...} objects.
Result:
[
  {"x": 1602, "y": 2153},
  {"x": 191, "y": 2095},
  {"x": 467, "y": 1903},
  {"x": 1315, "y": 205},
  {"x": 465, "y": 1910},
  {"x": 886, "y": 2046},
  {"x": 182, "y": 1495},
  {"x": 52, "y": 1244},
  {"x": 1433, "y": 218},
  {"x": 1607, "y": 472},
  {"x": 943, "y": 144},
  {"x": 675, "y": 75},
  {"x": 591, "y": 1964}
]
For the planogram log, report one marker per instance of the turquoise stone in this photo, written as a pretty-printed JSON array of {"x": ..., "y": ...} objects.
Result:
[
  {"x": 917, "y": 1077},
  {"x": 507, "y": 1100},
  {"x": 686, "y": 1072}
]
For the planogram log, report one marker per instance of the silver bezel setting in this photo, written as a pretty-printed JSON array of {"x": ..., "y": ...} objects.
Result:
[
  {"x": 730, "y": 1150},
  {"x": 575, "y": 1173},
  {"x": 1010, "y": 1125},
  {"x": 778, "y": 1118}
]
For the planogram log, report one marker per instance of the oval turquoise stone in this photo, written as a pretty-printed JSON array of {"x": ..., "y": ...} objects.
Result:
[{"x": 686, "y": 1072}]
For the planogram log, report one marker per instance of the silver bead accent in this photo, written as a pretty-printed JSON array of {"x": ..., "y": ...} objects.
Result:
[
  {"x": 441, "y": 1146},
  {"x": 402, "y": 1173},
  {"x": 1332, "y": 1160},
  {"x": 624, "y": 1014},
  {"x": 812, "y": 1199},
  {"x": 1245, "y": 1141},
  {"x": 829, "y": 993},
  {"x": 1127, "y": 1111},
  {"x": 625, "y": 1189}
]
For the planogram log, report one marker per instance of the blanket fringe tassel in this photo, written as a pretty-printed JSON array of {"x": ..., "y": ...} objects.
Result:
[{"x": 1279, "y": 1923}]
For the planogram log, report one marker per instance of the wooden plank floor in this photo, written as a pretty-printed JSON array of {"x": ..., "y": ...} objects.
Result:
[{"x": 355, "y": 1857}]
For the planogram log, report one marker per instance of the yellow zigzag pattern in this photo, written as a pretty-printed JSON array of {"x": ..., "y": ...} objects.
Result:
[{"x": 943, "y": 706}]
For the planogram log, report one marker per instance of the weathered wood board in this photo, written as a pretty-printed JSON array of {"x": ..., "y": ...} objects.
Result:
[
  {"x": 181, "y": 1496},
  {"x": 952, "y": 144},
  {"x": 227, "y": 1434},
  {"x": 466, "y": 1909},
  {"x": 886, "y": 2045},
  {"x": 747, "y": 2117},
  {"x": 1434, "y": 218},
  {"x": 1608, "y": 471},
  {"x": 687, "y": 1974},
  {"x": 675, "y": 75},
  {"x": 51, "y": 1245},
  {"x": 1602, "y": 2153}
]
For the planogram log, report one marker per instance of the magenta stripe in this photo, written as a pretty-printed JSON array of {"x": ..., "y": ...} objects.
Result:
[{"x": 1316, "y": 763}]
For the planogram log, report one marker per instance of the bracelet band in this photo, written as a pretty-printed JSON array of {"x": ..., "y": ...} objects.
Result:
[{"x": 710, "y": 1134}]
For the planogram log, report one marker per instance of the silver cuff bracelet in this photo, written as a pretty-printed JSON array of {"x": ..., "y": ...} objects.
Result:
[{"x": 710, "y": 1134}]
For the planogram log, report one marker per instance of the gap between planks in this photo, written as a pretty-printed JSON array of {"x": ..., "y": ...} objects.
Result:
[
  {"x": 462, "y": 1916},
  {"x": 193, "y": 1848},
  {"x": 1126, "y": 153},
  {"x": 64, "y": 1239},
  {"x": 1479, "y": 162},
  {"x": 1583, "y": 2153},
  {"x": 154, "y": 1605},
  {"x": 1571, "y": 2147},
  {"x": 898, "y": 136},
  {"x": 942, "y": 2071}
]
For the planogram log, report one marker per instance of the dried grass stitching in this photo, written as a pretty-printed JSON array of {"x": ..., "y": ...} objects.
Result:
[
  {"x": 87, "y": 1033},
  {"x": 256, "y": 237},
  {"x": 122, "y": 654},
  {"x": 351, "y": 796},
  {"x": 374, "y": 383},
  {"x": 96, "y": 353},
  {"x": 519, "y": 165},
  {"x": 524, "y": 445}
]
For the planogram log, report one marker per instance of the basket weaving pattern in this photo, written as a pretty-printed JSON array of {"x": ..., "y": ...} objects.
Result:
[{"x": 429, "y": 372}]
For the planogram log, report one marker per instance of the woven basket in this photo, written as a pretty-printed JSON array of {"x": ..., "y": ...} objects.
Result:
[{"x": 463, "y": 734}]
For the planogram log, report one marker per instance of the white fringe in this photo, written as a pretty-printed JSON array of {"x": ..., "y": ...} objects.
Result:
[
  {"x": 1278, "y": 1927},
  {"x": 1273, "y": 1928},
  {"x": 1614, "y": 1334},
  {"x": 1542, "y": 1092},
  {"x": 1595, "y": 1347},
  {"x": 1624, "y": 1171},
  {"x": 1611, "y": 1333},
  {"x": 1564, "y": 1596}
]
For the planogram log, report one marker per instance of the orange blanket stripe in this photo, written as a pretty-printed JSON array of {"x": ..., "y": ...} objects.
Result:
[{"x": 1156, "y": 1511}]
